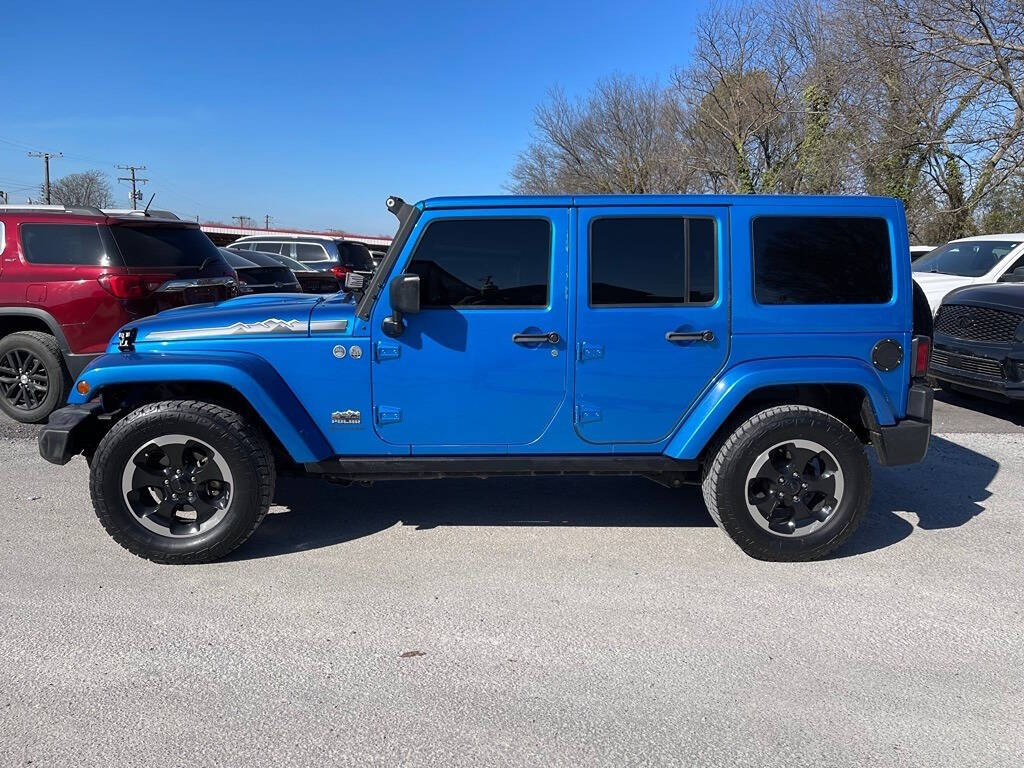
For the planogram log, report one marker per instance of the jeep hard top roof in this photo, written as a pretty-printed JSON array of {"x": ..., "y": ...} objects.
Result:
[{"x": 564, "y": 201}]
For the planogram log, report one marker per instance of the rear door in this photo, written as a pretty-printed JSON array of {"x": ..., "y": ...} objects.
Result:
[{"x": 652, "y": 317}]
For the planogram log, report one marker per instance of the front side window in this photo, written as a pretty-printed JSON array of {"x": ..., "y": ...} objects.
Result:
[
  {"x": 973, "y": 258},
  {"x": 268, "y": 247},
  {"x": 484, "y": 263},
  {"x": 655, "y": 260},
  {"x": 310, "y": 252},
  {"x": 78, "y": 244},
  {"x": 821, "y": 260}
]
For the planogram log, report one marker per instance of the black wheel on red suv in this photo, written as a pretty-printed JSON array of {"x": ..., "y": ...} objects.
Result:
[{"x": 34, "y": 379}]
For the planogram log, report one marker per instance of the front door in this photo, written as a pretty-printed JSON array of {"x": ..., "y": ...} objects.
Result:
[
  {"x": 483, "y": 365},
  {"x": 652, "y": 317}
]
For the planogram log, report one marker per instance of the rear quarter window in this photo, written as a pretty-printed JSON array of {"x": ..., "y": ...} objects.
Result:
[
  {"x": 71, "y": 244},
  {"x": 310, "y": 252},
  {"x": 161, "y": 246},
  {"x": 821, "y": 260}
]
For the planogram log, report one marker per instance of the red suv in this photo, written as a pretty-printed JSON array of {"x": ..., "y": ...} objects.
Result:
[{"x": 70, "y": 277}]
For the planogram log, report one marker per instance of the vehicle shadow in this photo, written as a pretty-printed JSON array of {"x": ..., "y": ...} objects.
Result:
[
  {"x": 997, "y": 409},
  {"x": 946, "y": 491},
  {"x": 320, "y": 514}
]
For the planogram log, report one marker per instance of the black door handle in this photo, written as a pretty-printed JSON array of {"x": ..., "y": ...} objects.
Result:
[
  {"x": 551, "y": 337},
  {"x": 690, "y": 336}
]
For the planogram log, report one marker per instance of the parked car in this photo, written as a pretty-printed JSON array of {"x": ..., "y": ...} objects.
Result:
[
  {"x": 336, "y": 255},
  {"x": 917, "y": 251},
  {"x": 312, "y": 281},
  {"x": 969, "y": 261},
  {"x": 720, "y": 341},
  {"x": 979, "y": 341},
  {"x": 70, "y": 277},
  {"x": 378, "y": 256},
  {"x": 260, "y": 273}
]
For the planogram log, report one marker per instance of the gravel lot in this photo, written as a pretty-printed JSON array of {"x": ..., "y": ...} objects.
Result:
[{"x": 544, "y": 622}]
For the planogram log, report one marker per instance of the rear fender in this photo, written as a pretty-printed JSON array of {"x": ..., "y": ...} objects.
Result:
[
  {"x": 250, "y": 375},
  {"x": 722, "y": 399}
]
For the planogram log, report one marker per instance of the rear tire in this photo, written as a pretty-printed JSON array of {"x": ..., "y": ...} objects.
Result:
[
  {"x": 34, "y": 378},
  {"x": 791, "y": 483},
  {"x": 182, "y": 481}
]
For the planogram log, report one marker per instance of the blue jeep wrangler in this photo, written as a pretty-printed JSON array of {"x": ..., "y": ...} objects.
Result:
[{"x": 752, "y": 345}]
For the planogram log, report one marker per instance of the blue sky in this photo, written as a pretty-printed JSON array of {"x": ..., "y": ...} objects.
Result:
[{"x": 311, "y": 112}]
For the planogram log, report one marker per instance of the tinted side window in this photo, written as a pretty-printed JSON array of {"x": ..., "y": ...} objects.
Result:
[
  {"x": 309, "y": 252},
  {"x": 821, "y": 260},
  {"x": 652, "y": 260},
  {"x": 63, "y": 244},
  {"x": 268, "y": 247},
  {"x": 484, "y": 263},
  {"x": 242, "y": 246}
]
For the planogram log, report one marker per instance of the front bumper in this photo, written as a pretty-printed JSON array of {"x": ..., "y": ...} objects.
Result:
[
  {"x": 992, "y": 369},
  {"x": 69, "y": 431},
  {"x": 906, "y": 442}
]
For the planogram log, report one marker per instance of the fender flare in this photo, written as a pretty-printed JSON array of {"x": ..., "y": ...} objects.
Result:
[
  {"x": 719, "y": 402},
  {"x": 40, "y": 314},
  {"x": 250, "y": 375}
]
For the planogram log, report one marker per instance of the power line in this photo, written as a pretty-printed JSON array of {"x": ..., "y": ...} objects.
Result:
[
  {"x": 243, "y": 221},
  {"x": 266, "y": 221},
  {"x": 46, "y": 170},
  {"x": 136, "y": 194}
]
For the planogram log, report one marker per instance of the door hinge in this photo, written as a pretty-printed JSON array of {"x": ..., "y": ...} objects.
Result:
[
  {"x": 587, "y": 351},
  {"x": 387, "y": 414},
  {"x": 587, "y": 413},
  {"x": 387, "y": 350}
]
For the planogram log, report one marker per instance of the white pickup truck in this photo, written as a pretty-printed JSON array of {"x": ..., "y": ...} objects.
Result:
[{"x": 969, "y": 261}]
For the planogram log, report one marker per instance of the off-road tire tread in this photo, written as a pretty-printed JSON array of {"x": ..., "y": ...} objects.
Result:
[
  {"x": 727, "y": 451},
  {"x": 48, "y": 341},
  {"x": 230, "y": 425}
]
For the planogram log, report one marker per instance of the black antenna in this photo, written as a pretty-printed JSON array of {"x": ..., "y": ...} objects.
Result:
[{"x": 145, "y": 211}]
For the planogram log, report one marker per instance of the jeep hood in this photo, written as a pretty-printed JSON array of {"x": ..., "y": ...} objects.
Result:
[{"x": 245, "y": 317}]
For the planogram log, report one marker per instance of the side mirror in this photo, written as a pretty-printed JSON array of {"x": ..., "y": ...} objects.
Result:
[
  {"x": 405, "y": 300},
  {"x": 405, "y": 294}
]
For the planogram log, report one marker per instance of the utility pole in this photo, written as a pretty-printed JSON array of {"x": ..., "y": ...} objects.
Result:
[
  {"x": 46, "y": 169},
  {"x": 242, "y": 221},
  {"x": 266, "y": 221},
  {"x": 136, "y": 194}
]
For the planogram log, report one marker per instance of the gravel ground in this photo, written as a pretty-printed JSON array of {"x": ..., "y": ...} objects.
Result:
[{"x": 523, "y": 621}]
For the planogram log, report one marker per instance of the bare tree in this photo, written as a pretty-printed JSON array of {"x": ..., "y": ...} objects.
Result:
[
  {"x": 922, "y": 100},
  {"x": 622, "y": 138},
  {"x": 88, "y": 188}
]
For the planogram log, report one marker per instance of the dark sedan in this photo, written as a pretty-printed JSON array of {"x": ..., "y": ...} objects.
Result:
[
  {"x": 979, "y": 341},
  {"x": 311, "y": 280},
  {"x": 260, "y": 273}
]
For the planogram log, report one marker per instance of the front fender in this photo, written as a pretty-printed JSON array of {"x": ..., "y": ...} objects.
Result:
[
  {"x": 250, "y": 375},
  {"x": 725, "y": 395}
]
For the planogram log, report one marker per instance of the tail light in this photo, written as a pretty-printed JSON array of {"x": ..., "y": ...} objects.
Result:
[
  {"x": 131, "y": 286},
  {"x": 340, "y": 272},
  {"x": 922, "y": 355}
]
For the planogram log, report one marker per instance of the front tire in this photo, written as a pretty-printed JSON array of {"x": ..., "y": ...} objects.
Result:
[
  {"x": 791, "y": 483},
  {"x": 181, "y": 481}
]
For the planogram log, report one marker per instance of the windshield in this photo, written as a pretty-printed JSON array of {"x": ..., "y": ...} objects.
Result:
[
  {"x": 163, "y": 246},
  {"x": 356, "y": 255},
  {"x": 966, "y": 259}
]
